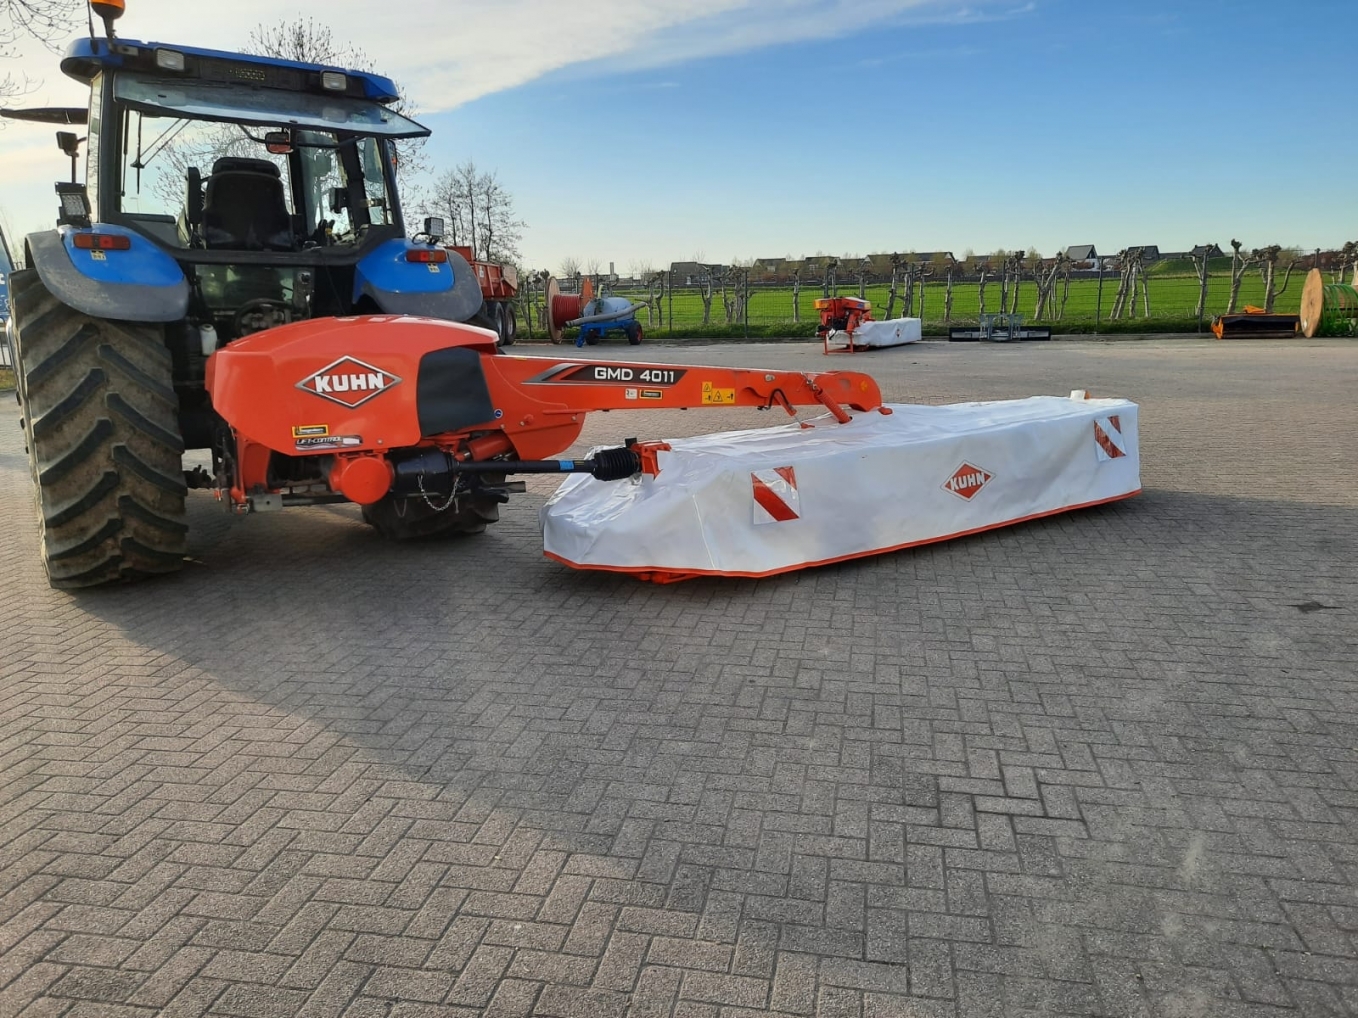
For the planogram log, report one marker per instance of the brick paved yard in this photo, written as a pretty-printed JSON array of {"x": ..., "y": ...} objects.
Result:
[{"x": 1101, "y": 764}]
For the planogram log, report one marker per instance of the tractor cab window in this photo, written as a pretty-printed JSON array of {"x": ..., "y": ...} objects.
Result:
[{"x": 235, "y": 168}]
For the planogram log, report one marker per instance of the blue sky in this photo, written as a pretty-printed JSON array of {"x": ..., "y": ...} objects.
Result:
[
  {"x": 648, "y": 132},
  {"x": 1066, "y": 122}
]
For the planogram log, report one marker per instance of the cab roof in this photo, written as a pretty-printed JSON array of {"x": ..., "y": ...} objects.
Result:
[{"x": 87, "y": 57}]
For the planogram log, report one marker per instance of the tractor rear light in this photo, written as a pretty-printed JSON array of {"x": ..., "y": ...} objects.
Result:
[
  {"x": 428, "y": 255},
  {"x": 102, "y": 242},
  {"x": 169, "y": 60},
  {"x": 333, "y": 81}
]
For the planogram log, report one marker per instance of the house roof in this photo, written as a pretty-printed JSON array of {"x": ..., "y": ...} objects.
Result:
[
  {"x": 1081, "y": 253},
  {"x": 693, "y": 268}
]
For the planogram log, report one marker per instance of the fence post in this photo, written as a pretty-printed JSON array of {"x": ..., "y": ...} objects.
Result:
[
  {"x": 670, "y": 291},
  {"x": 1098, "y": 307},
  {"x": 745, "y": 304},
  {"x": 1207, "y": 285}
]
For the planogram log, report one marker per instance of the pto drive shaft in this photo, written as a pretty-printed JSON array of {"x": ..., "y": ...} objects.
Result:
[{"x": 424, "y": 471}]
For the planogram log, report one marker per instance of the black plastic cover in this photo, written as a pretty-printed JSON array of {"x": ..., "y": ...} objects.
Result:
[{"x": 451, "y": 392}]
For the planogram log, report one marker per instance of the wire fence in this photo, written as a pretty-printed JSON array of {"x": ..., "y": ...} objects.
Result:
[{"x": 1079, "y": 301}]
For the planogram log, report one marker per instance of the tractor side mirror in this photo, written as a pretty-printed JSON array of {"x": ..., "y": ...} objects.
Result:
[
  {"x": 278, "y": 143},
  {"x": 433, "y": 228},
  {"x": 193, "y": 206},
  {"x": 339, "y": 199}
]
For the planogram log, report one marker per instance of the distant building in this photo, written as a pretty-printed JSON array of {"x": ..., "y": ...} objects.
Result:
[
  {"x": 1083, "y": 256},
  {"x": 691, "y": 273}
]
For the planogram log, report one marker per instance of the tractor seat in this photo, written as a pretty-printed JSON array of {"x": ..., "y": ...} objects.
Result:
[{"x": 244, "y": 208}]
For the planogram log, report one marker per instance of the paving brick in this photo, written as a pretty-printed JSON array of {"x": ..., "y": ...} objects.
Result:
[{"x": 1093, "y": 764}]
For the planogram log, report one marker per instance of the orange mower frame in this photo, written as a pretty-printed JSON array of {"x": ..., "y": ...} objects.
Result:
[{"x": 383, "y": 407}]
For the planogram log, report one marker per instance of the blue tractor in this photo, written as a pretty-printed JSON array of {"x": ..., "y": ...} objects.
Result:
[{"x": 224, "y": 195}]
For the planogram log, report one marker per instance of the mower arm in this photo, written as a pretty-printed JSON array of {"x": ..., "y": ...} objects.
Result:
[
  {"x": 545, "y": 401},
  {"x": 577, "y": 387}
]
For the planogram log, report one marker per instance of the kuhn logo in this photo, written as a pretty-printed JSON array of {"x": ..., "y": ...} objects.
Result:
[
  {"x": 349, "y": 382},
  {"x": 966, "y": 481}
]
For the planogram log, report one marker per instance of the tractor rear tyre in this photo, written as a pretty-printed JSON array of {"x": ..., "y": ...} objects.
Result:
[
  {"x": 100, "y": 418},
  {"x": 417, "y": 519},
  {"x": 511, "y": 323}
]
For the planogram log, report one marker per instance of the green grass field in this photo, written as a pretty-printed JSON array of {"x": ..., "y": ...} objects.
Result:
[{"x": 1173, "y": 299}]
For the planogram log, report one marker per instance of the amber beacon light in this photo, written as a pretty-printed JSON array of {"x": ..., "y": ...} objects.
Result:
[{"x": 110, "y": 11}]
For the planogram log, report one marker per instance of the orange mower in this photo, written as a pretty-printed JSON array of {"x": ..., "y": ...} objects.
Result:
[{"x": 421, "y": 422}]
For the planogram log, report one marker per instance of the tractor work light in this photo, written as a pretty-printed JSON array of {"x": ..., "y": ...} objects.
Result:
[
  {"x": 102, "y": 242},
  {"x": 170, "y": 60},
  {"x": 428, "y": 255},
  {"x": 333, "y": 81}
]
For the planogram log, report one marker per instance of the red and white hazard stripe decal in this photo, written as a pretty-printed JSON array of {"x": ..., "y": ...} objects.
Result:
[
  {"x": 1108, "y": 439},
  {"x": 775, "y": 495}
]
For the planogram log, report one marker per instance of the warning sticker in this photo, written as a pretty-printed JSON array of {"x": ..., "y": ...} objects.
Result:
[
  {"x": 629, "y": 393},
  {"x": 309, "y": 430},
  {"x": 713, "y": 396},
  {"x": 776, "y": 499},
  {"x": 1108, "y": 441}
]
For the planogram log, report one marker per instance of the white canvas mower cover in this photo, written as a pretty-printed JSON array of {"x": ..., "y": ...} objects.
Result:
[
  {"x": 873, "y": 334},
  {"x": 757, "y": 503}
]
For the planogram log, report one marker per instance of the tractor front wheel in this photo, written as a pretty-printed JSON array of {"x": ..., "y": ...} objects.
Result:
[{"x": 101, "y": 420}]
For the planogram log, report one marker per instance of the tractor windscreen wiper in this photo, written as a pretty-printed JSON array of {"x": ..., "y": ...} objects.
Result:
[{"x": 263, "y": 106}]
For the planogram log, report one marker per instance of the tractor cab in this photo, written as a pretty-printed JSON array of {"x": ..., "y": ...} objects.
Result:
[{"x": 265, "y": 180}]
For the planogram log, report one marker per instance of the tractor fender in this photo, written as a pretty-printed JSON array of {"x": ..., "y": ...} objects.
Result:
[
  {"x": 445, "y": 290},
  {"x": 140, "y": 284}
]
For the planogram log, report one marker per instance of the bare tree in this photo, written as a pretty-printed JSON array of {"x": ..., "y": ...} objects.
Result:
[
  {"x": 1348, "y": 255},
  {"x": 1016, "y": 266},
  {"x": 797, "y": 293},
  {"x": 909, "y": 268},
  {"x": 739, "y": 278},
  {"x": 893, "y": 291},
  {"x": 309, "y": 42},
  {"x": 1267, "y": 259},
  {"x": 500, "y": 231},
  {"x": 1240, "y": 263},
  {"x": 1065, "y": 291},
  {"x": 706, "y": 283},
  {"x": 655, "y": 293},
  {"x": 570, "y": 267},
  {"x": 1002, "y": 256},
  {"x": 1200, "y": 260},
  {"x": 50, "y": 22},
  {"x": 925, "y": 270},
  {"x": 1045, "y": 276},
  {"x": 947, "y": 296},
  {"x": 984, "y": 268},
  {"x": 1126, "y": 260}
]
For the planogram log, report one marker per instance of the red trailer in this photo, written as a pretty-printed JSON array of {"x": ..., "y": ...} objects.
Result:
[{"x": 499, "y": 289}]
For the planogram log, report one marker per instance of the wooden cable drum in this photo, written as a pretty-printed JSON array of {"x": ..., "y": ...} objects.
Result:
[{"x": 1327, "y": 309}]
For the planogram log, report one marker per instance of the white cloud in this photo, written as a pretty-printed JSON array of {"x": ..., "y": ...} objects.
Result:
[{"x": 449, "y": 52}]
